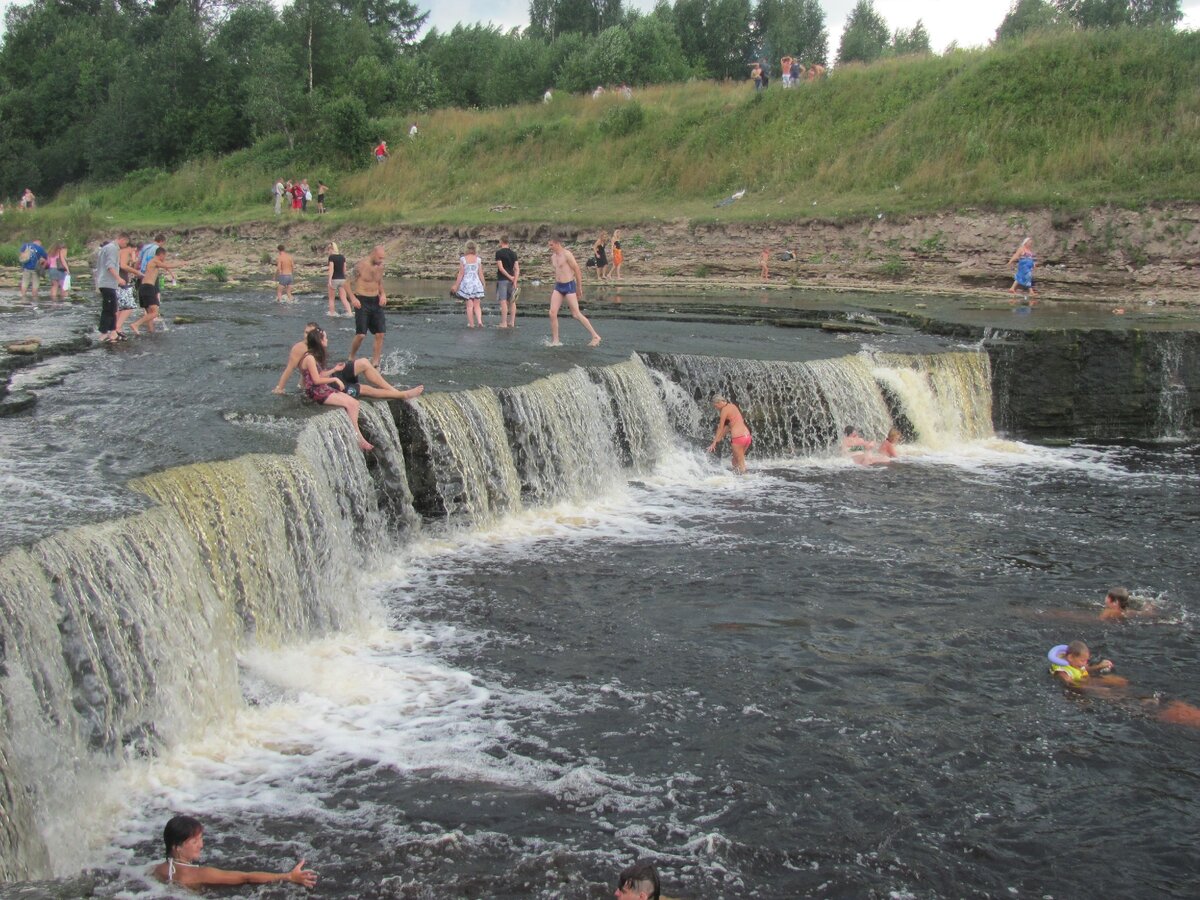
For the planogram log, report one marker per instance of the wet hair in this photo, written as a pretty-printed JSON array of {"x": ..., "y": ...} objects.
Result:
[
  {"x": 1078, "y": 648},
  {"x": 893, "y": 434},
  {"x": 1119, "y": 594},
  {"x": 312, "y": 340},
  {"x": 718, "y": 399},
  {"x": 178, "y": 830},
  {"x": 848, "y": 430},
  {"x": 641, "y": 876},
  {"x": 471, "y": 248}
]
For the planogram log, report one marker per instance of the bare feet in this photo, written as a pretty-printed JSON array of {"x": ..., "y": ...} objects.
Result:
[
  {"x": 364, "y": 445},
  {"x": 594, "y": 342},
  {"x": 412, "y": 392}
]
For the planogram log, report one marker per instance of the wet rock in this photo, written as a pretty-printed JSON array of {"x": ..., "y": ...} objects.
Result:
[
  {"x": 861, "y": 327},
  {"x": 11, "y": 404},
  {"x": 26, "y": 347}
]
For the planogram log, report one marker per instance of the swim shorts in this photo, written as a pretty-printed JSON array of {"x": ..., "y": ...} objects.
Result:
[
  {"x": 566, "y": 287},
  {"x": 369, "y": 317},
  {"x": 285, "y": 280},
  {"x": 147, "y": 296},
  {"x": 504, "y": 290}
]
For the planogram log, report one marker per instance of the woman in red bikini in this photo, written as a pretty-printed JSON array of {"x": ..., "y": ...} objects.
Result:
[{"x": 739, "y": 434}]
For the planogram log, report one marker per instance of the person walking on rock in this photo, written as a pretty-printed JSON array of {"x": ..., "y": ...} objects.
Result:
[{"x": 568, "y": 285}]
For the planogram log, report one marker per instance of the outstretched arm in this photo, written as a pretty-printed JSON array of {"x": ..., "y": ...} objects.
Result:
[{"x": 211, "y": 875}]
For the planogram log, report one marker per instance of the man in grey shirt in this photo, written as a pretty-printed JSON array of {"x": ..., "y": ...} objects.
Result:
[{"x": 108, "y": 279}]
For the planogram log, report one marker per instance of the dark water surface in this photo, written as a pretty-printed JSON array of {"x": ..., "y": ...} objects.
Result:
[{"x": 816, "y": 681}]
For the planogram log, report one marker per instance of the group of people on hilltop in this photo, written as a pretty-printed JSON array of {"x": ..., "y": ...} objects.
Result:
[
  {"x": 791, "y": 70},
  {"x": 297, "y": 195},
  {"x": 624, "y": 91}
]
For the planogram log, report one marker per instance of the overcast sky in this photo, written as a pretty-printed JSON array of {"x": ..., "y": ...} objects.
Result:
[{"x": 970, "y": 22}]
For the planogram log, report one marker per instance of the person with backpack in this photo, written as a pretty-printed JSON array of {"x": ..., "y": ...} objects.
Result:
[{"x": 33, "y": 263}]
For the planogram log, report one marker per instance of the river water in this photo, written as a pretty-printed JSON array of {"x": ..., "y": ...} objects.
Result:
[{"x": 818, "y": 680}]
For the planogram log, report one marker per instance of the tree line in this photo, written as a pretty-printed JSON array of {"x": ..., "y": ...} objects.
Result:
[{"x": 94, "y": 89}]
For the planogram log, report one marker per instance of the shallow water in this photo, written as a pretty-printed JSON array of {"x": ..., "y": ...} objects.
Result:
[{"x": 819, "y": 680}]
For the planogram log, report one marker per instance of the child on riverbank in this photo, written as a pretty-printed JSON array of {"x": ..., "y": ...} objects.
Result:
[
  {"x": 1025, "y": 261},
  {"x": 471, "y": 285}
]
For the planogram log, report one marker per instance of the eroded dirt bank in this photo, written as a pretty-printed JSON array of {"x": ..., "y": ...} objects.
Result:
[{"x": 1119, "y": 255}]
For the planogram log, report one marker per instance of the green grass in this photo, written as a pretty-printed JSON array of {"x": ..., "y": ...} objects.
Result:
[
  {"x": 1064, "y": 120},
  {"x": 217, "y": 273}
]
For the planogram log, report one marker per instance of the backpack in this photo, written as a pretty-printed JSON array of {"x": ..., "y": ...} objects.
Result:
[{"x": 26, "y": 254}]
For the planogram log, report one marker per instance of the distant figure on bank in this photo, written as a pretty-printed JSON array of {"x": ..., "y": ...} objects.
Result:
[
  {"x": 305, "y": 195},
  {"x": 739, "y": 435},
  {"x": 598, "y": 92},
  {"x": 278, "y": 192},
  {"x": 354, "y": 371},
  {"x": 298, "y": 197},
  {"x": 285, "y": 268},
  {"x": 1025, "y": 261},
  {"x": 321, "y": 386},
  {"x": 508, "y": 277},
  {"x": 322, "y": 190},
  {"x": 32, "y": 256},
  {"x": 381, "y": 152},
  {"x": 412, "y": 131},
  {"x": 471, "y": 285},
  {"x": 618, "y": 255},
  {"x": 764, "y": 262},
  {"x": 626, "y": 92},
  {"x": 756, "y": 73},
  {"x": 548, "y": 96},
  {"x": 148, "y": 293},
  {"x": 568, "y": 285},
  {"x": 785, "y": 71},
  {"x": 335, "y": 280},
  {"x": 183, "y": 838},
  {"x": 57, "y": 269},
  {"x": 368, "y": 299},
  {"x": 815, "y": 71},
  {"x": 638, "y": 882},
  {"x": 28, "y": 200},
  {"x": 600, "y": 254}
]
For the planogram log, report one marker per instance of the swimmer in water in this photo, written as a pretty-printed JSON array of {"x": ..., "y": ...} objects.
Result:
[
  {"x": 881, "y": 456},
  {"x": 184, "y": 840},
  {"x": 1117, "y": 608},
  {"x": 1071, "y": 664},
  {"x": 853, "y": 442},
  {"x": 739, "y": 434},
  {"x": 638, "y": 882}
]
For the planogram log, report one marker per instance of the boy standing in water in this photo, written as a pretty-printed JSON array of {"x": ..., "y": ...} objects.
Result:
[
  {"x": 568, "y": 284},
  {"x": 739, "y": 434},
  {"x": 285, "y": 266}
]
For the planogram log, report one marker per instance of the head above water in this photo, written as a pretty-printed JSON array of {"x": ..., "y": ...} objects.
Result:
[
  {"x": 1078, "y": 653},
  {"x": 848, "y": 430},
  {"x": 1119, "y": 596},
  {"x": 639, "y": 880},
  {"x": 178, "y": 830}
]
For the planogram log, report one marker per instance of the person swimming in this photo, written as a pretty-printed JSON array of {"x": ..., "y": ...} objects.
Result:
[
  {"x": 1071, "y": 664},
  {"x": 183, "y": 838}
]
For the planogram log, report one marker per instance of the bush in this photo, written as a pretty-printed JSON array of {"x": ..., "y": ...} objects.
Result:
[
  {"x": 9, "y": 256},
  {"x": 218, "y": 273},
  {"x": 623, "y": 119}
]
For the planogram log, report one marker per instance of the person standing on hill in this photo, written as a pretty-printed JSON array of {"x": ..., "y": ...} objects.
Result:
[
  {"x": 568, "y": 285},
  {"x": 285, "y": 267},
  {"x": 305, "y": 195},
  {"x": 322, "y": 190},
  {"x": 412, "y": 132},
  {"x": 381, "y": 152},
  {"x": 369, "y": 300},
  {"x": 785, "y": 71},
  {"x": 297, "y": 197},
  {"x": 28, "y": 200},
  {"x": 508, "y": 275},
  {"x": 278, "y": 191}
]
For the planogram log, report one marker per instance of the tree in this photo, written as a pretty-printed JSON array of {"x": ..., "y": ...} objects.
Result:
[
  {"x": 1114, "y": 13},
  {"x": 716, "y": 35},
  {"x": 792, "y": 27},
  {"x": 657, "y": 55},
  {"x": 1026, "y": 16},
  {"x": 913, "y": 41},
  {"x": 866, "y": 35},
  {"x": 550, "y": 18}
]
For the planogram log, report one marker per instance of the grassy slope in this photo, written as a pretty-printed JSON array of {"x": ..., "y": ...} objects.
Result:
[{"x": 1068, "y": 120}]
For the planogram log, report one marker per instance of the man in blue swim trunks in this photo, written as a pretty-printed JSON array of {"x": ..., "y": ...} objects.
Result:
[{"x": 568, "y": 283}]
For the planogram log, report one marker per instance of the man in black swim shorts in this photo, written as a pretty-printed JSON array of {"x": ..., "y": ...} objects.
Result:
[{"x": 368, "y": 299}]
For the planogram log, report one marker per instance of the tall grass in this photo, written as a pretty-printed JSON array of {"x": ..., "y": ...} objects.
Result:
[{"x": 1060, "y": 119}]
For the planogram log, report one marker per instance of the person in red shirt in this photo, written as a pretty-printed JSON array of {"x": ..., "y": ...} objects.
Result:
[{"x": 381, "y": 152}]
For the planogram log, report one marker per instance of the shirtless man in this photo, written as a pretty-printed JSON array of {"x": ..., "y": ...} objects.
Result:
[
  {"x": 1117, "y": 608},
  {"x": 368, "y": 299},
  {"x": 353, "y": 371},
  {"x": 739, "y": 435},
  {"x": 568, "y": 283},
  {"x": 148, "y": 296},
  {"x": 285, "y": 268}
]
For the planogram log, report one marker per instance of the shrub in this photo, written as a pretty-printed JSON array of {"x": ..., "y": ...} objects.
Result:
[
  {"x": 9, "y": 256},
  {"x": 623, "y": 119},
  {"x": 218, "y": 273}
]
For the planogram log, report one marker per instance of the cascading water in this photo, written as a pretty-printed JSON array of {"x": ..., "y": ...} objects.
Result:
[
  {"x": 1174, "y": 399},
  {"x": 123, "y": 638}
]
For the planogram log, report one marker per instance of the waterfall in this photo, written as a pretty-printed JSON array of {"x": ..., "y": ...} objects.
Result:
[
  {"x": 1174, "y": 419},
  {"x": 121, "y": 638},
  {"x": 798, "y": 409},
  {"x": 642, "y": 429}
]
